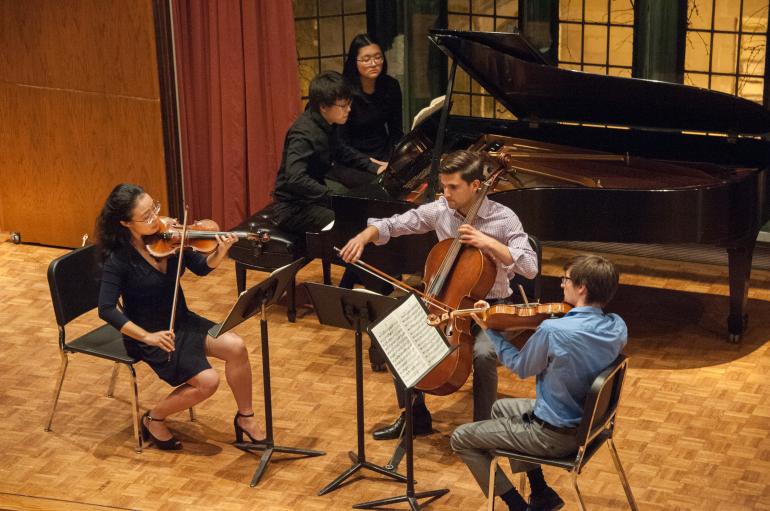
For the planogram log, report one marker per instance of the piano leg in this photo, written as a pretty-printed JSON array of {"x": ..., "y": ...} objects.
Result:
[{"x": 739, "y": 261}]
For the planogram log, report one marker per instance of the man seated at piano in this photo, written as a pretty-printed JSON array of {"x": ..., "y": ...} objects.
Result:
[
  {"x": 565, "y": 355},
  {"x": 310, "y": 150},
  {"x": 496, "y": 231}
]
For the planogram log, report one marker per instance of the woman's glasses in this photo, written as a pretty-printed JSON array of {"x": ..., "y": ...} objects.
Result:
[
  {"x": 151, "y": 215},
  {"x": 371, "y": 59}
]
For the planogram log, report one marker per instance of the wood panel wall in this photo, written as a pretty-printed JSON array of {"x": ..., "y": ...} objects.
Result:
[{"x": 79, "y": 112}]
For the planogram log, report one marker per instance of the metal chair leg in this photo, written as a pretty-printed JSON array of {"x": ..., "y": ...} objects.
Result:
[
  {"x": 57, "y": 389},
  {"x": 577, "y": 490},
  {"x": 193, "y": 416},
  {"x": 135, "y": 408},
  {"x": 113, "y": 379},
  {"x": 622, "y": 474},
  {"x": 491, "y": 489}
]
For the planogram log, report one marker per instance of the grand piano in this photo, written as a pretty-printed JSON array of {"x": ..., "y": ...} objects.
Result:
[{"x": 592, "y": 158}]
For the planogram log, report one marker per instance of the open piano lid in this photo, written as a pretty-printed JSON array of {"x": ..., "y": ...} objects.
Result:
[{"x": 516, "y": 75}]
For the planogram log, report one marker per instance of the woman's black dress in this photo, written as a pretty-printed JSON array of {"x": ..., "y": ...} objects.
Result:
[{"x": 147, "y": 299}]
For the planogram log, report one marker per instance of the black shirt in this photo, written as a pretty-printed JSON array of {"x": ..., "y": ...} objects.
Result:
[
  {"x": 148, "y": 294},
  {"x": 374, "y": 124},
  {"x": 310, "y": 149}
]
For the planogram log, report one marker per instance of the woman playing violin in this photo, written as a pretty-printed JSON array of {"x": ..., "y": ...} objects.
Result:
[
  {"x": 496, "y": 231},
  {"x": 147, "y": 285}
]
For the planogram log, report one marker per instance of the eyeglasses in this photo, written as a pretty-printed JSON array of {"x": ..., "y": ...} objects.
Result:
[
  {"x": 345, "y": 105},
  {"x": 564, "y": 279},
  {"x": 151, "y": 215},
  {"x": 371, "y": 59}
]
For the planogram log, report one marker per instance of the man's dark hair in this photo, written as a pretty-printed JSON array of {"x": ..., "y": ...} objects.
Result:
[
  {"x": 597, "y": 274},
  {"x": 470, "y": 165},
  {"x": 327, "y": 88}
]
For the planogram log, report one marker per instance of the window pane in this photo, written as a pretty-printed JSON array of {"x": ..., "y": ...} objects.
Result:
[
  {"x": 507, "y": 24},
  {"x": 597, "y": 70},
  {"x": 461, "y": 104},
  {"x": 354, "y": 25},
  {"x": 458, "y": 5},
  {"x": 725, "y": 53},
  {"x": 699, "y": 14},
  {"x": 726, "y": 15},
  {"x": 354, "y": 6},
  {"x": 483, "y": 7},
  {"x": 502, "y": 113},
  {"x": 596, "y": 11},
  {"x": 697, "y": 51},
  {"x": 482, "y": 106},
  {"x": 570, "y": 10},
  {"x": 306, "y": 36},
  {"x": 458, "y": 22},
  {"x": 751, "y": 88},
  {"x": 331, "y": 64},
  {"x": 595, "y": 50},
  {"x": 620, "y": 71},
  {"x": 307, "y": 70},
  {"x": 483, "y": 23},
  {"x": 755, "y": 16},
  {"x": 330, "y": 35},
  {"x": 570, "y": 42},
  {"x": 621, "y": 46},
  {"x": 462, "y": 81},
  {"x": 723, "y": 83},
  {"x": 508, "y": 8},
  {"x": 697, "y": 80},
  {"x": 622, "y": 12},
  {"x": 331, "y": 7},
  {"x": 303, "y": 8},
  {"x": 752, "y": 54}
]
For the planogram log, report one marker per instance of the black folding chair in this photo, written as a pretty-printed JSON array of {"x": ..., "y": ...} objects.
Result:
[
  {"x": 74, "y": 280},
  {"x": 596, "y": 429}
]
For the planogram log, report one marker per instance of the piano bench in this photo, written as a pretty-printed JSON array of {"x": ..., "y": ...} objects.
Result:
[{"x": 283, "y": 248}]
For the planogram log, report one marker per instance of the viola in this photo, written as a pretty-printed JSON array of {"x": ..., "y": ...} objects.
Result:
[
  {"x": 200, "y": 236},
  {"x": 520, "y": 316}
]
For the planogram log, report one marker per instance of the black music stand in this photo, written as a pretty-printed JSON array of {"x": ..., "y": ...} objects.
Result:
[
  {"x": 257, "y": 299},
  {"x": 353, "y": 310},
  {"x": 391, "y": 354}
]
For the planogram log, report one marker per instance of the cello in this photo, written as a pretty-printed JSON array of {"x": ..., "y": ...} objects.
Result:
[{"x": 457, "y": 290}]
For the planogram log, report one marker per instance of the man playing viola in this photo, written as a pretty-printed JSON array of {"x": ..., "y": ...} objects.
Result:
[
  {"x": 496, "y": 231},
  {"x": 565, "y": 355}
]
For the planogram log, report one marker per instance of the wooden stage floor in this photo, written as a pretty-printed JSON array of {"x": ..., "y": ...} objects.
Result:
[{"x": 693, "y": 430}]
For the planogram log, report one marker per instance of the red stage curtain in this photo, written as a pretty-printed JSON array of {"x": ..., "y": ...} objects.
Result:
[{"x": 238, "y": 94}]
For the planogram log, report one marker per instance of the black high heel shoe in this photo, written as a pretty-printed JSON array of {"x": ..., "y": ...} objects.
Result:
[
  {"x": 239, "y": 431},
  {"x": 172, "y": 444}
]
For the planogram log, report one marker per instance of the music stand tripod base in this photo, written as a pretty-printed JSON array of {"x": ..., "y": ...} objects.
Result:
[
  {"x": 257, "y": 299},
  {"x": 352, "y": 310}
]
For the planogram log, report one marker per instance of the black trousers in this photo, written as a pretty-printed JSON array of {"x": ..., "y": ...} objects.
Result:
[{"x": 310, "y": 218}]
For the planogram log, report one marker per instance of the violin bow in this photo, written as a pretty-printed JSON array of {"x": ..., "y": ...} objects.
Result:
[{"x": 178, "y": 275}]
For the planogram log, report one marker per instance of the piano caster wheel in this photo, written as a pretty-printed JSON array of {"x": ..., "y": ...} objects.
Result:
[
  {"x": 15, "y": 238},
  {"x": 734, "y": 338},
  {"x": 292, "y": 317}
]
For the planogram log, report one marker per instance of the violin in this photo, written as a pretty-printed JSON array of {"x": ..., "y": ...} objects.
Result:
[
  {"x": 520, "y": 316},
  {"x": 200, "y": 236}
]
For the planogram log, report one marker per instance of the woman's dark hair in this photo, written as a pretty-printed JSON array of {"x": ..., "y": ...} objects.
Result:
[
  {"x": 350, "y": 69},
  {"x": 327, "y": 88},
  {"x": 110, "y": 234}
]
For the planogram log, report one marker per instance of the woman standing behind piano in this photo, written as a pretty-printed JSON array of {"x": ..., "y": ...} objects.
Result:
[{"x": 374, "y": 124}]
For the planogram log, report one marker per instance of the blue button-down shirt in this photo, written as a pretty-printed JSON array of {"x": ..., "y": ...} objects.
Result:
[{"x": 566, "y": 355}]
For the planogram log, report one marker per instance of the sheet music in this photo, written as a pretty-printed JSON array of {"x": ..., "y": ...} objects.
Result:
[{"x": 412, "y": 346}]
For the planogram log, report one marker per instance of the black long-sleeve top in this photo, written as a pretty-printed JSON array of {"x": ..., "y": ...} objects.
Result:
[
  {"x": 147, "y": 293},
  {"x": 311, "y": 146},
  {"x": 374, "y": 124}
]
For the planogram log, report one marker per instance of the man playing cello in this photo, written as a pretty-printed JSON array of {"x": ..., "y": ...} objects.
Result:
[{"x": 496, "y": 231}]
